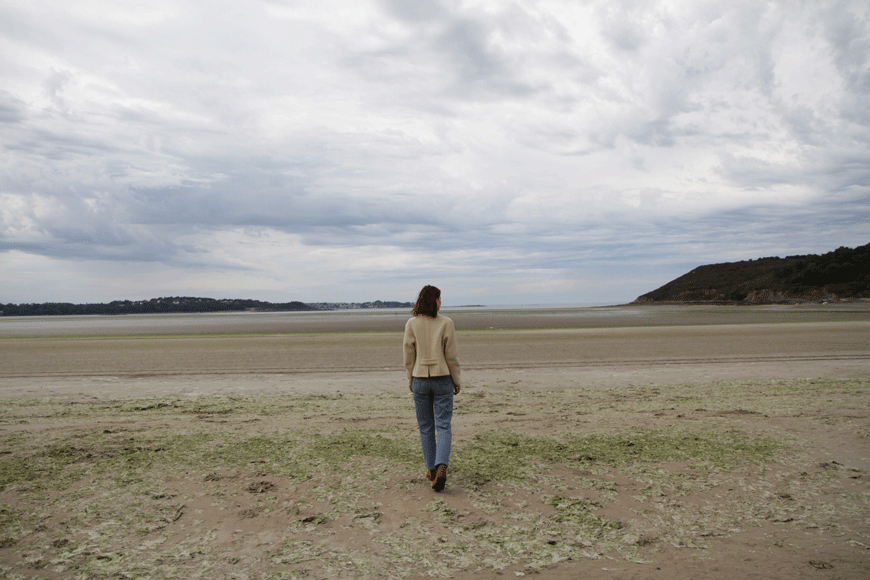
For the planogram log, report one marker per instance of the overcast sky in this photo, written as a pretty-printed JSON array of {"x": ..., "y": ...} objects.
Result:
[{"x": 506, "y": 151}]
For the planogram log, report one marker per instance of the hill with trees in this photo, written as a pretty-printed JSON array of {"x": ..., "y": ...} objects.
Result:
[{"x": 841, "y": 274}]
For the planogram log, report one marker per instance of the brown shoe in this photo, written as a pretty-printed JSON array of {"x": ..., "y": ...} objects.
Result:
[
  {"x": 430, "y": 474},
  {"x": 440, "y": 477}
]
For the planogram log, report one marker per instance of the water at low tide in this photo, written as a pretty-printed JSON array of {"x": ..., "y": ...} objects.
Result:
[
  {"x": 258, "y": 322},
  {"x": 393, "y": 320}
]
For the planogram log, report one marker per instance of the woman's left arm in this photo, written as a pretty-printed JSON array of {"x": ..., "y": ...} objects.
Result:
[{"x": 409, "y": 354}]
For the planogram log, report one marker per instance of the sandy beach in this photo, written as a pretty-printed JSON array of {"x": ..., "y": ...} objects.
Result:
[{"x": 624, "y": 442}]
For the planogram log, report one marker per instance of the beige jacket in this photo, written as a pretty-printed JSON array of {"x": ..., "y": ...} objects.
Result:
[{"x": 430, "y": 348}]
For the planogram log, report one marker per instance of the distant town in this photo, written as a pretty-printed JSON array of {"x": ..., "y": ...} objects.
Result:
[
  {"x": 358, "y": 305},
  {"x": 182, "y": 304}
]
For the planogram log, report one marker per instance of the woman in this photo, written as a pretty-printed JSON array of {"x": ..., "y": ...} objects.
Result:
[{"x": 432, "y": 364}]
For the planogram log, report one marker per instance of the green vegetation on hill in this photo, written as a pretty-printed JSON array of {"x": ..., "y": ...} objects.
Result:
[{"x": 843, "y": 273}]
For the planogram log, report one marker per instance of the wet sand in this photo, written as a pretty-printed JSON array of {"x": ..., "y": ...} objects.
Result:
[{"x": 120, "y": 357}]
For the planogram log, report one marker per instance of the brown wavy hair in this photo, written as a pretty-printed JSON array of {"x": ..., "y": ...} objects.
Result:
[{"x": 426, "y": 304}]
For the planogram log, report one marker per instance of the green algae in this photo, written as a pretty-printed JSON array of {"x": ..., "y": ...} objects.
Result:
[
  {"x": 578, "y": 511},
  {"x": 339, "y": 447},
  {"x": 58, "y": 465},
  {"x": 10, "y": 521},
  {"x": 490, "y": 455},
  {"x": 504, "y": 455},
  {"x": 516, "y": 501}
]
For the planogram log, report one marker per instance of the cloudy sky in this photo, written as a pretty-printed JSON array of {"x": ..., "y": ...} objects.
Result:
[{"x": 507, "y": 151}]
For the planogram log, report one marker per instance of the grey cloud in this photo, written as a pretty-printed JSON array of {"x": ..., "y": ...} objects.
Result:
[
  {"x": 620, "y": 23},
  {"x": 675, "y": 62},
  {"x": 419, "y": 134},
  {"x": 834, "y": 171},
  {"x": 760, "y": 230},
  {"x": 849, "y": 33},
  {"x": 657, "y": 132},
  {"x": 417, "y": 11},
  {"x": 638, "y": 239},
  {"x": 72, "y": 231},
  {"x": 261, "y": 192},
  {"x": 242, "y": 203},
  {"x": 450, "y": 51},
  {"x": 18, "y": 25},
  {"x": 12, "y": 109},
  {"x": 87, "y": 250},
  {"x": 107, "y": 228},
  {"x": 54, "y": 86},
  {"x": 57, "y": 145},
  {"x": 463, "y": 41}
]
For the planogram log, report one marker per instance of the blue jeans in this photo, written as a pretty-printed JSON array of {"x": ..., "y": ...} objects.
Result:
[{"x": 433, "y": 400}]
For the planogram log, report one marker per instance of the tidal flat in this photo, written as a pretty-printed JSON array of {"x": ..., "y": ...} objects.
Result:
[{"x": 647, "y": 443}]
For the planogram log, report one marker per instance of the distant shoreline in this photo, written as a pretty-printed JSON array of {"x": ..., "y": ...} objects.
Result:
[{"x": 188, "y": 305}]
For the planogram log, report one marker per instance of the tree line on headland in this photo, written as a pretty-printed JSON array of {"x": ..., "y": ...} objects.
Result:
[
  {"x": 179, "y": 304},
  {"x": 841, "y": 274}
]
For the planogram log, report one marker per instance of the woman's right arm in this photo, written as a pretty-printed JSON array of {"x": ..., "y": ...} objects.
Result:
[{"x": 451, "y": 356}]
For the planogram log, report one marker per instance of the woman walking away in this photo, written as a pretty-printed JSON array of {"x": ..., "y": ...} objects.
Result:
[{"x": 432, "y": 363}]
